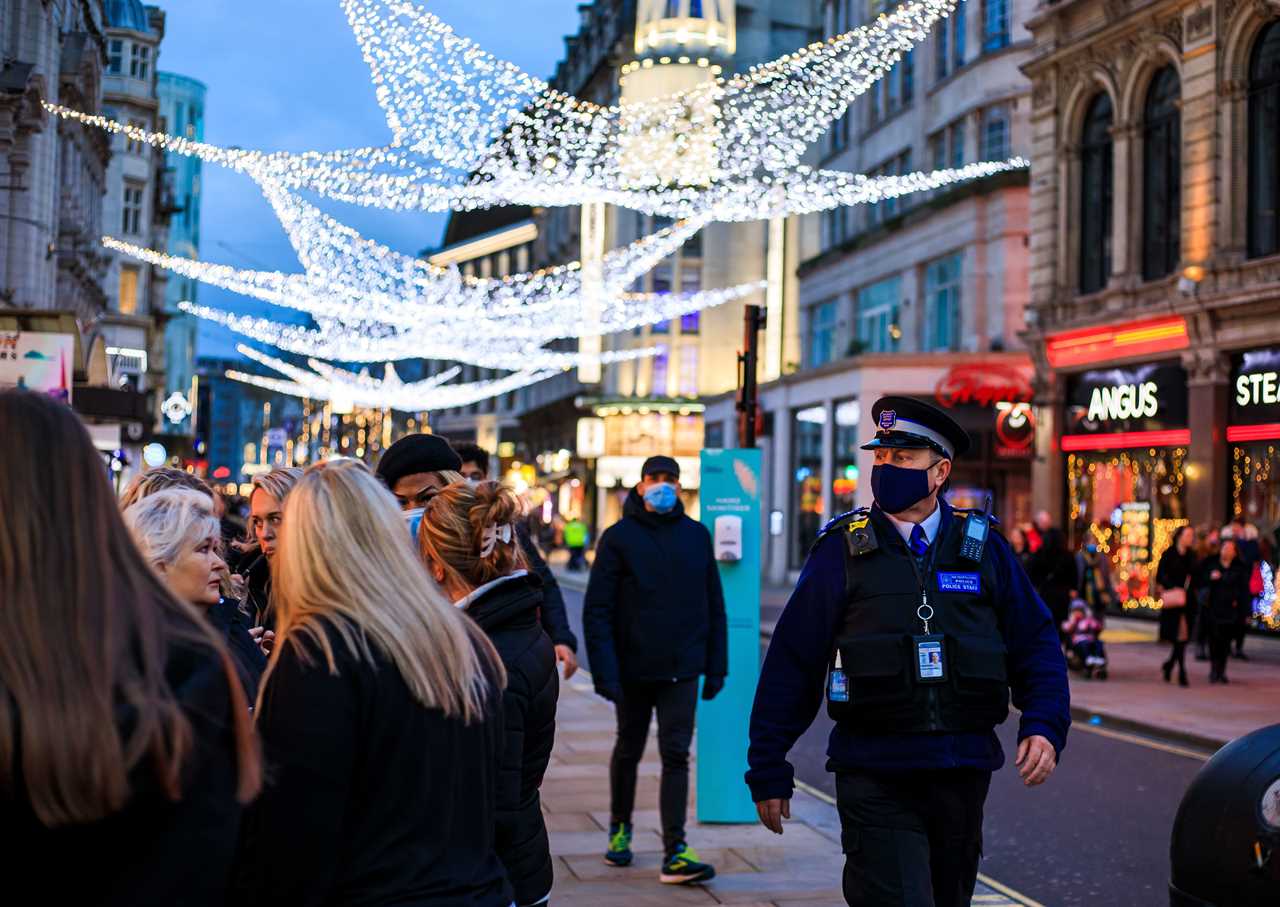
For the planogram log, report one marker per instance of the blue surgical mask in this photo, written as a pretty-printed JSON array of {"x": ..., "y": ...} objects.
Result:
[
  {"x": 897, "y": 488},
  {"x": 662, "y": 497},
  {"x": 413, "y": 519}
]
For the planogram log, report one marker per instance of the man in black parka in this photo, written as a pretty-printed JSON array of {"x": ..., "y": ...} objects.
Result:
[{"x": 654, "y": 620}]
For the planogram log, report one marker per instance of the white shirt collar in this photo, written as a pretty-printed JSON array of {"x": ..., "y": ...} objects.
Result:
[
  {"x": 466, "y": 600},
  {"x": 930, "y": 525}
]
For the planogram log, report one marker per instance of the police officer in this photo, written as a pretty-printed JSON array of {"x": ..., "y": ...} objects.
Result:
[{"x": 913, "y": 620}]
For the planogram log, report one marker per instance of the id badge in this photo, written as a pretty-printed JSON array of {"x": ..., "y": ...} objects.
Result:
[
  {"x": 931, "y": 661},
  {"x": 838, "y": 687}
]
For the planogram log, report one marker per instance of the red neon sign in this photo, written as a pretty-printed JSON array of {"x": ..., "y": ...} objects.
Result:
[
  {"x": 985, "y": 385},
  {"x": 1134, "y": 338},
  {"x": 1123, "y": 440},
  {"x": 1266, "y": 432}
]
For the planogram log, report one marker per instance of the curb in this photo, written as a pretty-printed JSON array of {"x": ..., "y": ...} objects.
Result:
[{"x": 1096, "y": 718}]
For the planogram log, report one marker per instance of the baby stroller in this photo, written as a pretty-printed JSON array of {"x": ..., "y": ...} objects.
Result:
[{"x": 1085, "y": 652}]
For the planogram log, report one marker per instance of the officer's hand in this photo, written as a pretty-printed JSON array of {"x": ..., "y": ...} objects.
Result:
[
  {"x": 609, "y": 691},
  {"x": 1036, "y": 760},
  {"x": 772, "y": 812},
  {"x": 712, "y": 686},
  {"x": 565, "y": 656}
]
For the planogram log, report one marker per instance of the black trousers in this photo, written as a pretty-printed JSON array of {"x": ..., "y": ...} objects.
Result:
[
  {"x": 675, "y": 704},
  {"x": 1220, "y": 636},
  {"x": 912, "y": 839}
]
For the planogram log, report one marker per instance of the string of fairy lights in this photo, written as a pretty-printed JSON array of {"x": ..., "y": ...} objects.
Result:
[{"x": 469, "y": 130}]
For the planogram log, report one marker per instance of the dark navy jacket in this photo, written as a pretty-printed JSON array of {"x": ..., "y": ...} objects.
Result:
[
  {"x": 654, "y": 608},
  {"x": 795, "y": 669}
]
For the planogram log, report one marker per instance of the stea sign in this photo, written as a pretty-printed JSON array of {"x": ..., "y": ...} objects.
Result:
[
  {"x": 1255, "y": 388},
  {"x": 1138, "y": 398}
]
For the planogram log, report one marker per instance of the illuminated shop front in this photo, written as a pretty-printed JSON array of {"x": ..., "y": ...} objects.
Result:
[
  {"x": 1254, "y": 435},
  {"x": 1125, "y": 441}
]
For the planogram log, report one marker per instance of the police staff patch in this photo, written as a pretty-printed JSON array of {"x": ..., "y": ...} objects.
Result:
[
  {"x": 960, "y": 582},
  {"x": 888, "y": 419}
]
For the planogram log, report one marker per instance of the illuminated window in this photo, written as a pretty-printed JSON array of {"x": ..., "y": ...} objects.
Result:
[{"x": 128, "y": 290}]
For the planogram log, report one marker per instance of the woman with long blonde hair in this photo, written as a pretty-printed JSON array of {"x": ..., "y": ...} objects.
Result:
[
  {"x": 469, "y": 542},
  {"x": 379, "y": 715},
  {"x": 126, "y": 746}
]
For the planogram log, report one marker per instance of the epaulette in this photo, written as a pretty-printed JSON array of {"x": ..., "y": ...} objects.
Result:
[{"x": 855, "y": 526}]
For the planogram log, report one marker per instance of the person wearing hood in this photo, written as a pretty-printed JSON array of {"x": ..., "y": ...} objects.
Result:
[
  {"x": 468, "y": 542},
  {"x": 654, "y": 621},
  {"x": 417, "y": 468}
]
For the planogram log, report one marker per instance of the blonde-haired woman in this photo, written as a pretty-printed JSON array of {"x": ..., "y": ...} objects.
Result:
[
  {"x": 469, "y": 542},
  {"x": 180, "y": 537},
  {"x": 266, "y": 517},
  {"x": 379, "y": 716}
]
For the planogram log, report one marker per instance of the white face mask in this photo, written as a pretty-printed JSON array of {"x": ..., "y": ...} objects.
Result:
[{"x": 413, "y": 519}]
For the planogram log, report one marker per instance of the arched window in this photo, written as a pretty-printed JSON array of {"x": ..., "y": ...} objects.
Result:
[
  {"x": 1264, "y": 144},
  {"x": 1162, "y": 176},
  {"x": 1095, "y": 195}
]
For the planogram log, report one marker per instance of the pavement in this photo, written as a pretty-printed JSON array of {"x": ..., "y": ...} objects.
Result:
[{"x": 755, "y": 868}]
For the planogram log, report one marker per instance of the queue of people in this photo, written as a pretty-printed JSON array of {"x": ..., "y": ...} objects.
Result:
[{"x": 333, "y": 711}]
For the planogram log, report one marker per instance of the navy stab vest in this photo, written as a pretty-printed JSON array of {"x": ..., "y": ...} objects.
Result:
[{"x": 877, "y": 652}]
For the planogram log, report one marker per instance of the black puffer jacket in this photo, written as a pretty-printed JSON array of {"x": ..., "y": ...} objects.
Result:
[
  {"x": 508, "y": 614},
  {"x": 654, "y": 609}
]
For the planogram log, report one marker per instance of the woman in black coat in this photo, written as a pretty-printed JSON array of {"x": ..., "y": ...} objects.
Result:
[
  {"x": 469, "y": 542},
  {"x": 1053, "y": 571},
  {"x": 1174, "y": 576},
  {"x": 1224, "y": 597}
]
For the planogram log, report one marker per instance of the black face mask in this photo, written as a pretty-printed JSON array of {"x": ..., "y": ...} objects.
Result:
[{"x": 897, "y": 488}]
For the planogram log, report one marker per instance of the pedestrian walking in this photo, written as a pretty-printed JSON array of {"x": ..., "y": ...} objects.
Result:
[
  {"x": 1093, "y": 582},
  {"x": 575, "y": 540},
  {"x": 1174, "y": 576},
  {"x": 916, "y": 620},
  {"x": 181, "y": 539},
  {"x": 126, "y": 739},
  {"x": 266, "y": 517},
  {"x": 555, "y": 620},
  {"x": 1053, "y": 571},
  {"x": 654, "y": 621},
  {"x": 1224, "y": 593},
  {"x": 1208, "y": 544},
  {"x": 1019, "y": 546},
  {"x": 468, "y": 540},
  {"x": 380, "y": 717}
]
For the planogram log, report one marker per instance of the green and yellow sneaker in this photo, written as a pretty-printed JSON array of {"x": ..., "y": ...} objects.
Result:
[
  {"x": 683, "y": 868},
  {"x": 619, "y": 852}
]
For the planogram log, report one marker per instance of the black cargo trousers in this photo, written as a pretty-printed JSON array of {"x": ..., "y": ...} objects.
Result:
[{"x": 911, "y": 839}]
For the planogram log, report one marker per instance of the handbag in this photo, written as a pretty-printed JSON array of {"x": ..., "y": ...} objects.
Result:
[
  {"x": 1255, "y": 580},
  {"x": 1174, "y": 598}
]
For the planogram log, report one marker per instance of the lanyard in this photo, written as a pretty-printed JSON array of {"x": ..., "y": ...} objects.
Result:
[{"x": 925, "y": 611}]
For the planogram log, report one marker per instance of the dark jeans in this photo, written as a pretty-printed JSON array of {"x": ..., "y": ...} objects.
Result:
[
  {"x": 675, "y": 704},
  {"x": 1220, "y": 637},
  {"x": 911, "y": 839}
]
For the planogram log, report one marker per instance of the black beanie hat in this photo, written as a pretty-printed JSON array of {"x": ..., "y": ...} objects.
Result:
[{"x": 413, "y": 454}]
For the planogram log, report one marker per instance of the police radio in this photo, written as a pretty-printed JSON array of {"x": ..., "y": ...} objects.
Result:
[{"x": 976, "y": 528}]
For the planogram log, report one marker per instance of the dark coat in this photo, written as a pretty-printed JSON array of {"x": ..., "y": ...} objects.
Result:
[
  {"x": 1226, "y": 599},
  {"x": 370, "y": 798},
  {"x": 654, "y": 608},
  {"x": 154, "y": 851},
  {"x": 508, "y": 614},
  {"x": 232, "y": 626},
  {"x": 554, "y": 619},
  {"x": 1176, "y": 571},
  {"x": 1053, "y": 572},
  {"x": 257, "y": 596}
]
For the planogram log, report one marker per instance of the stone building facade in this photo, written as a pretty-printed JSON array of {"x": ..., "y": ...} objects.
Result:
[{"x": 1155, "y": 269}]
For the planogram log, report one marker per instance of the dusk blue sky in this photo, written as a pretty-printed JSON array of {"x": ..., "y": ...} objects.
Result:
[{"x": 287, "y": 75}]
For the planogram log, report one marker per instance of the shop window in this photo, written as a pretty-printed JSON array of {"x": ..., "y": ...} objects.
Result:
[
  {"x": 131, "y": 211},
  {"x": 1264, "y": 144},
  {"x": 822, "y": 333},
  {"x": 807, "y": 510},
  {"x": 948, "y": 43},
  {"x": 844, "y": 484},
  {"x": 1130, "y": 503},
  {"x": 995, "y": 134},
  {"x": 878, "y": 307},
  {"x": 942, "y": 304},
  {"x": 995, "y": 25},
  {"x": 1162, "y": 176},
  {"x": 128, "y": 302},
  {"x": 1096, "y": 195}
]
